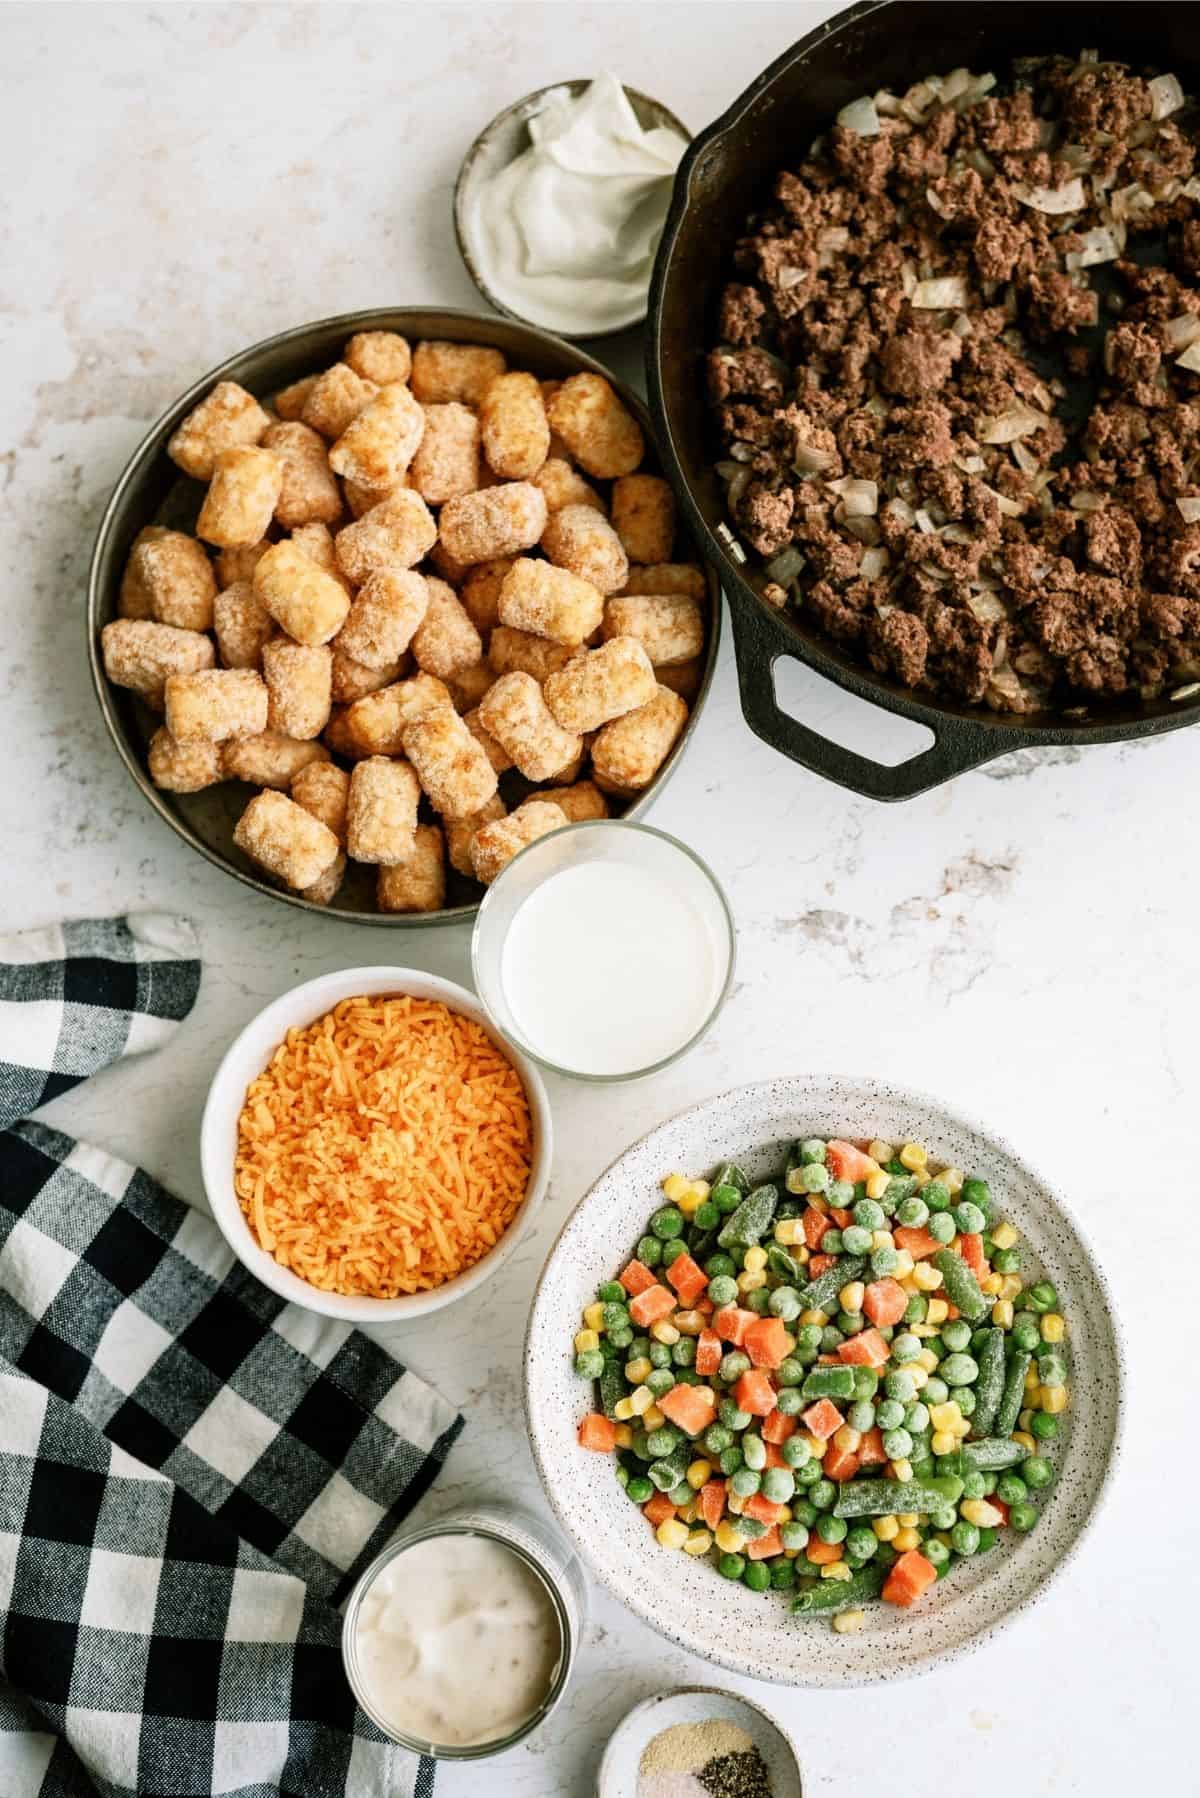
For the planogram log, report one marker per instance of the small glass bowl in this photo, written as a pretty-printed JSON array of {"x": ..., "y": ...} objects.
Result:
[{"x": 597, "y": 840}]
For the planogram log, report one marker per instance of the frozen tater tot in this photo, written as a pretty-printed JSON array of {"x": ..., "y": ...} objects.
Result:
[
  {"x": 682, "y": 677},
  {"x": 228, "y": 418},
  {"x": 339, "y": 737},
  {"x": 448, "y": 566},
  {"x": 377, "y": 723},
  {"x": 381, "y": 811},
  {"x": 308, "y": 493},
  {"x": 550, "y": 602},
  {"x": 604, "y": 438},
  {"x": 581, "y": 539},
  {"x": 307, "y": 603},
  {"x": 361, "y": 499},
  {"x": 379, "y": 356},
  {"x": 290, "y": 401},
  {"x": 299, "y": 679},
  {"x": 454, "y": 371},
  {"x": 377, "y": 446},
  {"x": 496, "y": 521},
  {"x": 582, "y": 802},
  {"x": 419, "y": 883},
  {"x": 383, "y": 617},
  {"x": 451, "y": 766},
  {"x": 446, "y": 464},
  {"x": 445, "y": 642},
  {"x": 242, "y": 624},
  {"x": 670, "y": 626},
  {"x": 480, "y": 593},
  {"x": 668, "y": 577},
  {"x": 565, "y": 486},
  {"x": 286, "y": 840},
  {"x": 168, "y": 577},
  {"x": 271, "y": 760},
  {"x": 325, "y": 890},
  {"x": 513, "y": 427},
  {"x": 628, "y": 753},
  {"x": 241, "y": 497},
  {"x": 494, "y": 845},
  {"x": 460, "y": 834},
  {"x": 353, "y": 680},
  {"x": 323, "y": 789},
  {"x": 510, "y": 649},
  {"x": 316, "y": 541},
  {"x": 140, "y": 653},
  {"x": 335, "y": 400},
  {"x": 498, "y": 756},
  {"x": 183, "y": 767},
  {"x": 600, "y": 685},
  {"x": 516, "y": 714},
  {"x": 643, "y": 515},
  {"x": 397, "y": 533},
  {"x": 468, "y": 685},
  {"x": 215, "y": 704}
]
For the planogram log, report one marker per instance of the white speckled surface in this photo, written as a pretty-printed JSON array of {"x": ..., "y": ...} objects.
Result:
[{"x": 185, "y": 180}]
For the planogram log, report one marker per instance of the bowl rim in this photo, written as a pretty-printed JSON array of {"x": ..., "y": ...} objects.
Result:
[
  {"x": 965, "y": 1120},
  {"x": 451, "y": 322},
  {"x": 263, "y": 1033}
]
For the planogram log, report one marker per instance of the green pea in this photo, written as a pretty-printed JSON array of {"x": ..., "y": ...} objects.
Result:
[
  {"x": 916, "y": 1417},
  {"x": 956, "y": 1334},
  {"x": 1052, "y": 1369},
  {"x": 640, "y": 1446},
  {"x": 649, "y": 1251},
  {"x": 869, "y": 1214},
  {"x": 935, "y": 1552},
  {"x": 970, "y": 1219},
  {"x": 973, "y": 1483},
  {"x": 814, "y": 1177},
  {"x": 959, "y": 1370},
  {"x": 790, "y": 1372},
  {"x": 841, "y": 1194},
  {"x": 966, "y": 1399},
  {"x": 1043, "y": 1426},
  {"x": 722, "y": 1290},
  {"x": 616, "y": 1317},
  {"x": 681, "y": 1495},
  {"x": 1022, "y": 1518},
  {"x": 856, "y": 1240},
  {"x": 757, "y": 1576},
  {"x": 732, "y": 1416},
  {"x": 900, "y": 1385},
  {"x": 897, "y": 1444},
  {"x": 795, "y": 1452},
  {"x": 672, "y": 1251},
  {"x": 789, "y": 1401},
  {"x": 1043, "y": 1296},
  {"x": 941, "y": 1226},
  {"x": 935, "y": 1390},
  {"x": 719, "y": 1265},
  {"x": 866, "y": 1382},
  {"x": 850, "y": 1323},
  {"x": 757, "y": 1301},
  {"x": 861, "y": 1542},
  {"x": 916, "y": 1309},
  {"x": 734, "y": 1365},
  {"x": 754, "y": 1449},
  {"x": 659, "y": 1355},
  {"x": 890, "y": 1414},
  {"x": 717, "y": 1438},
  {"x": 706, "y": 1216},
  {"x": 660, "y": 1381},
  {"x": 977, "y": 1192},
  {"x": 1036, "y": 1473},
  {"x": 987, "y": 1539},
  {"x": 746, "y": 1482},
  {"x": 943, "y": 1520},
  {"x": 1006, "y": 1261},
  {"x": 784, "y": 1303},
  {"x": 779, "y": 1484},
  {"x": 726, "y": 1198},
  {"x": 809, "y": 1474},
  {"x": 589, "y": 1364},
  {"x": 783, "y": 1575},
  {"x": 731, "y": 1566},
  {"x": 936, "y": 1196},
  {"x": 832, "y": 1529},
  {"x": 794, "y": 1535},
  {"x": 731, "y": 1460},
  {"x": 965, "y": 1537},
  {"x": 808, "y": 1342},
  {"x": 861, "y": 1416},
  {"x": 905, "y": 1348},
  {"x": 1025, "y": 1334},
  {"x": 912, "y": 1212},
  {"x": 640, "y": 1489},
  {"x": 1011, "y": 1489},
  {"x": 831, "y": 1336},
  {"x": 823, "y": 1494},
  {"x": 621, "y": 1337},
  {"x": 611, "y": 1292},
  {"x": 663, "y": 1442},
  {"x": 811, "y": 1150},
  {"x": 667, "y": 1223},
  {"x": 884, "y": 1262}
]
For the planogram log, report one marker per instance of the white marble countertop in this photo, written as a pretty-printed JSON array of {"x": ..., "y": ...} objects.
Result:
[{"x": 183, "y": 180}]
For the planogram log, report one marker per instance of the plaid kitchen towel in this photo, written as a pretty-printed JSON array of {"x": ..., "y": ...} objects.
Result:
[{"x": 192, "y": 1473}]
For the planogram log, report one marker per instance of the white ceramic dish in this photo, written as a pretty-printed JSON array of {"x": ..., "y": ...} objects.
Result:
[
  {"x": 250, "y": 1052},
  {"x": 618, "y": 1776},
  {"x": 686, "y": 1600}
]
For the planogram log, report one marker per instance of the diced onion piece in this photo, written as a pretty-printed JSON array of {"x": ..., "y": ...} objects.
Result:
[
  {"x": 1189, "y": 509},
  {"x": 791, "y": 276},
  {"x": 1015, "y": 421},
  {"x": 943, "y": 293},
  {"x": 962, "y": 326},
  {"x": 874, "y": 561},
  {"x": 1190, "y": 359},
  {"x": 860, "y": 499},
  {"x": 1010, "y": 508},
  {"x": 886, "y": 104},
  {"x": 970, "y": 464},
  {"x": 956, "y": 533},
  {"x": 902, "y": 512},
  {"x": 1099, "y": 245},
  {"x": 924, "y": 522},
  {"x": 864, "y": 530},
  {"x": 938, "y": 205},
  {"x": 808, "y": 459},
  {"x": 987, "y": 606},
  {"x": 1070, "y": 197},
  {"x": 1128, "y": 200},
  {"x": 955, "y": 83},
  {"x": 1025, "y": 459},
  {"x": 1088, "y": 501},
  {"x": 738, "y": 485},
  {"x": 860, "y": 116},
  {"x": 908, "y": 279},
  {"x": 1166, "y": 96},
  {"x": 785, "y": 566}
]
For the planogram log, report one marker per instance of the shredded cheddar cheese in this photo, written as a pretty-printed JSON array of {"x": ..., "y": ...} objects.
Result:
[{"x": 384, "y": 1149}]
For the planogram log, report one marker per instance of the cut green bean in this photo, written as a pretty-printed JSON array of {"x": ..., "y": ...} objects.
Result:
[{"x": 961, "y": 1286}]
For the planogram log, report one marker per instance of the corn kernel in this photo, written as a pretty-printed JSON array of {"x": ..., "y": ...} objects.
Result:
[
  {"x": 886, "y": 1527},
  {"x": 814, "y": 1317},
  {"x": 1004, "y": 1236},
  {"x": 623, "y": 1436},
  {"x": 923, "y": 1330},
  {"x": 927, "y": 1359},
  {"x": 943, "y": 1442},
  {"x": 848, "y": 1623},
  {"x": 851, "y": 1297},
  {"x": 641, "y": 1400},
  {"x": 593, "y": 1317},
  {"x": 928, "y": 1278},
  {"x": 879, "y": 1150},
  {"x": 952, "y": 1179},
  {"x": 1025, "y": 1439},
  {"x": 1053, "y": 1327},
  {"x": 637, "y": 1371},
  {"x": 1054, "y": 1400},
  {"x": 818, "y": 1447},
  {"x": 962, "y": 1428},
  {"x": 1031, "y": 1380},
  {"x": 689, "y": 1202},
  {"x": 702, "y": 1188},
  {"x": 835, "y": 1570},
  {"x": 585, "y": 1340},
  {"x": 789, "y": 1230},
  {"x": 908, "y": 1284},
  {"x": 675, "y": 1186},
  {"x": 729, "y": 1538},
  {"x": 908, "y": 1520},
  {"x": 981, "y": 1514},
  {"x": 671, "y": 1533},
  {"x": 938, "y": 1311},
  {"x": 698, "y": 1473},
  {"x": 689, "y": 1513},
  {"x": 751, "y": 1282},
  {"x": 1011, "y": 1286},
  {"x": 877, "y": 1184},
  {"x": 904, "y": 1266},
  {"x": 734, "y": 1502},
  {"x": 755, "y": 1260},
  {"x": 791, "y": 1554},
  {"x": 944, "y": 1416},
  {"x": 991, "y": 1285},
  {"x": 689, "y": 1323},
  {"x": 882, "y": 1239},
  {"x": 623, "y": 1410},
  {"x": 902, "y": 1471},
  {"x": 698, "y": 1543},
  {"x": 913, "y": 1155},
  {"x": 664, "y": 1332},
  {"x": 922, "y": 1177},
  {"x": 654, "y": 1418},
  {"x": 785, "y": 1514},
  {"x": 1002, "y": 1314},
  {"x": 918, "y": 1374},
  {"x": 848, "y": 1439},
  {"x": 906, "y": 1539},
  {"x": 1024, "y": 1419}
]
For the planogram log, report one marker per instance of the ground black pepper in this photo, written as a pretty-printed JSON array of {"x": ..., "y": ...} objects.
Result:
[{"x": 736, "y": 1776}]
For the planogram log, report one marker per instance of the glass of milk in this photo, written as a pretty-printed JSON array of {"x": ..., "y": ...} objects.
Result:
[{"x": 604, "y": 950}]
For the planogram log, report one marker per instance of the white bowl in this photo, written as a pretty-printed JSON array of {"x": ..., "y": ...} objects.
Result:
[
  {"x": 687, "y": 1600},
  {"x": 618, "y": 1776},
  {"x": 249, "y": 1054}
]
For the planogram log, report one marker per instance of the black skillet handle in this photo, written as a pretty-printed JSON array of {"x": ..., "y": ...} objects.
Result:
[{"x": 959, "y": 744}]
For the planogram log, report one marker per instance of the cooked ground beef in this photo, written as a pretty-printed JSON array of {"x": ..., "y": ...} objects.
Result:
[{"x": 907, "y": 316}]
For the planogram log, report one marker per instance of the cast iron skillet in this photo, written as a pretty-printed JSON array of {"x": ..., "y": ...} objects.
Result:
[{"x": 725, "y": 174}]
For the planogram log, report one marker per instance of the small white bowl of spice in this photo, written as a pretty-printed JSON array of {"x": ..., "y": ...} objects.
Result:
[{"x": 699, "y": 1742}]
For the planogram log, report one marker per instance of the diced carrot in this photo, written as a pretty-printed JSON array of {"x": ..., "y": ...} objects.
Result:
[
  {"x": 1001, "y": 1507},
  {"x": 658, "y": 1509},
  {"x": 911, "y": 1575},
  {"x": 951, "y": 1312},
  {"x": 708, "y": 1353},
  {"x": 815, "y": 1225},
  {"x": 767, "y": 1341},
  {"x": 777, "y": 1427},
  {"x": 917, "y": 1241},
  {"x": 763, "y": 1509},
  {"x": 755, "y": 1393},
  {"x": 688, "y": 1280},
  {"x": 971, "y": 1250},
  {"x": 712, "y": 1502},
  {"x": 867, "y": 1349},
  {"x": 598, "y": 1432},
  {"x": 636, "y": 1278},
  {"x": 731, "y": 1324},
  {"x": 843, "y": 1219},
  {"x": 822, "y": 1554},
  {"x": 819, "y": 1264},
  {"x": 845, "y": 1162},
  {"x": 885, "y": 1302},
  {"x": 829, "y": 1360},
  {"x": 774, "y": 1458},
  {"x": 871, "y": 1452},
  {"x": 839, "y": 1463},
  {"x": 692, "y": 1408},
  {"x": 705, "y": 1306},
  {"x": 823, "y": 1418},
  {"x": 650, "y": 1305},
  {"x": 765, "y": 1547}
]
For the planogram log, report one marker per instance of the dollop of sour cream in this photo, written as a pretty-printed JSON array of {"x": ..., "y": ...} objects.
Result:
[{"x": 565, "y": 235}]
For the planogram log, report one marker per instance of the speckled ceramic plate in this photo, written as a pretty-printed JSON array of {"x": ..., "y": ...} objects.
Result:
[{"x": 686, "y": 1600}]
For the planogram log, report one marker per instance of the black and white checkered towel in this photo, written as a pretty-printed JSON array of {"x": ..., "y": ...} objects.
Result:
[{"x": 192, "y": 1473}]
